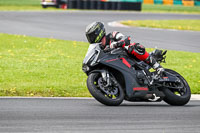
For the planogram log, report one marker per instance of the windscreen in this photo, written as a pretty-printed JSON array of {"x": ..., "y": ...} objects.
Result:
[{"x": 90, "y": 52}]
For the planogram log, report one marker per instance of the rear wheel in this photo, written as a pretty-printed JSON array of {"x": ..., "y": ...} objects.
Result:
[
  {"x": 112, "y": 95},
  {"x": 179, "y": 96}
]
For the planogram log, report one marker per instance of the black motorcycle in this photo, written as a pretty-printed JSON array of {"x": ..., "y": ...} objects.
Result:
[{"x": 114, "y": 76}]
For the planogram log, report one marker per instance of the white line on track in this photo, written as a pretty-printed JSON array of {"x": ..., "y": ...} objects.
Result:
[
  {"x": 193, "y": 97},
  {"x": 117, "y": 24}
]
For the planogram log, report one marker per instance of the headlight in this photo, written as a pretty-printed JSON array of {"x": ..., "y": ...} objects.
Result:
[{"x": 85, "y": 68}]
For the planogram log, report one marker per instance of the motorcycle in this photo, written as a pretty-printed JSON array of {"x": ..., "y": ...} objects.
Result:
[{"x": 114, "y": 76}]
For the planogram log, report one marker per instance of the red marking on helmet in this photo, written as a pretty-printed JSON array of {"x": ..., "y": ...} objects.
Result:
[
  {"x": 140, "y": 89},
  {"x": 165, "y": 77}
]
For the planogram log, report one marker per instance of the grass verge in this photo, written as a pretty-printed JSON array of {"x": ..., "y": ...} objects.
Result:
[
  {"x": 31, "y": 66},
  {"x": 20, "y": 2},
  {"x": 158, "y": 8},
  {"x": 23, "y": 5},
  {"x": 166, "y": 24},
  {"x": 22, "y": 8}
]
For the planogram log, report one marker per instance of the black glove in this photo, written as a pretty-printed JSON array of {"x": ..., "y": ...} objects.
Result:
[
  {"x": 125, "y": 41},
  {"x": 114, "y": 45}
]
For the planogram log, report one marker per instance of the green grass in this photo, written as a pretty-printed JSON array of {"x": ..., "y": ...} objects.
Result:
[
  {"x": 166, "y": 24},
  {"x": 18, "y": 5},
  {"x": 31, "y": 66},
  {"x": 187, "y": 64},
  {"x": 20, "y": 2},
  {"x": 170, "y": 8},
  {"x": 27, "y": 8}
]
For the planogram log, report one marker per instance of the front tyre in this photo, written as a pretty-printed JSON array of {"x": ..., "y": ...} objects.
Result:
[
  {"x": 177, "y": 97},
  {"x": 111, "y": 96}
]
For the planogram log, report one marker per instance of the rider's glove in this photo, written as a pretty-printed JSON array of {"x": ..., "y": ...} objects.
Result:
[
  {"x": 113, "y": 45},
  {"x": 125, "y": 41},
  {"x": 117, "y": 44},
  {"x": 121, "y": 43}
]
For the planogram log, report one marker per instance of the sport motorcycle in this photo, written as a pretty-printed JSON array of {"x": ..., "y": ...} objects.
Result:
[{"x": 114, "y": 76}]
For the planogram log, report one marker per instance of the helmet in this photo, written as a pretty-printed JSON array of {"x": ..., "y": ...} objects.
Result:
[{"x": 95, "y": 32}]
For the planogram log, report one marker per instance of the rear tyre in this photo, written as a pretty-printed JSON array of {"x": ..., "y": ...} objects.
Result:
[
  {"x": 177, "y": 97},
  {"x": 111, "y": 96}
]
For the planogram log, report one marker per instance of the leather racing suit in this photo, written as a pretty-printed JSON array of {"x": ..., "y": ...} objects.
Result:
[{"x": 116, "y": 39}]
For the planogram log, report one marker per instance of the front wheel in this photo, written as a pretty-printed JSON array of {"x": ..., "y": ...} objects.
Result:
[
  {"x": 111, "y": 95},
  {"x": 177, "y": 97}
]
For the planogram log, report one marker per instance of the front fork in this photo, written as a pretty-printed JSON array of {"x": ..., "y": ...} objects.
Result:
[{"x": 106, "y": 78}]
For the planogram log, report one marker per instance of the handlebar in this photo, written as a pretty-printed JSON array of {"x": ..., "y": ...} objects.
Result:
[{"x": 108, "y": 49}]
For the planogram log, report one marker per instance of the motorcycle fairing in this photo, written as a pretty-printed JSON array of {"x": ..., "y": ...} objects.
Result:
[{"x": 125, "y": 66}]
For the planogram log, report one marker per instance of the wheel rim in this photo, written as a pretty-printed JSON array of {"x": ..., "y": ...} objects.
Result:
[
  {"x": 181, "y": 91},
  {"x": 111, "y": 92}
]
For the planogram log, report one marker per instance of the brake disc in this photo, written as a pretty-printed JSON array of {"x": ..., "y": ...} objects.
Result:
[{"x": 110, "y": 90}]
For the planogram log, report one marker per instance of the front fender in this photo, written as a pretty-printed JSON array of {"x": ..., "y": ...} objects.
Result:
[
  {"x": 103, "y": 73},
  {"x": 96, "y": 71}
]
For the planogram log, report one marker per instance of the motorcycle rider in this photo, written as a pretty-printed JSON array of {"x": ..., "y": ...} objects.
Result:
[{"x": 95, "y": 33}]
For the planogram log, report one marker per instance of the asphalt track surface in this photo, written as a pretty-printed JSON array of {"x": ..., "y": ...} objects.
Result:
[
  {"x": 87, "y": 115},
  {"x": 70, "y": 25}
]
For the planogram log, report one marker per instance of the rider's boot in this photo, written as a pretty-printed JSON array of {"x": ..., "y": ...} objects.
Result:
[{"x": 155, "y": 65}]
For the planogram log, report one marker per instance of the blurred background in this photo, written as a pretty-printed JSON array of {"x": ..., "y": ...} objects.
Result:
[{"x": 138, "y": 5}]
